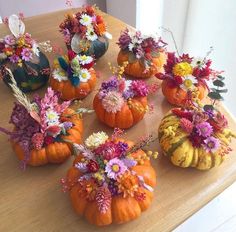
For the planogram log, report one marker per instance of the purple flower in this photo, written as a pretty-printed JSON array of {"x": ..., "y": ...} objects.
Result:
[
  {"x": 128, "y": 94},
  {"x": 26, "y": 54},
  {"x": 67, "y": 125},
  {"x": 111, "y": 84},
  {"x": 211, "y": 144},
  {"x": 10, "y": 40},
  {"x": 14, "y": 58},
  {"x": 204, "y": 129},
  {"x": 139, "y": 88},
  {"x": 124, "y": 39},
  {"x": 129, "y": 162},
  {"x": 114, "y": 168},
  {"x": 123, "y": 147},
  {"x": 112, "y": 186}
]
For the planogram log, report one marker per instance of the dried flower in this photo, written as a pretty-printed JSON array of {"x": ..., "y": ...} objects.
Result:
[
  {"x": 48, "y": 140},
  {"x": 113, "y": 102},
  {"x": 37, "y": 141},
  {"x": 114, "y": 168},
  {"x": 204, "y": 129},
  {"x": 186, "y": 125},
  {"x": 26, "y": 54},
  {"x": 182, "y": 69},
  {"x": 96, "y": 139},
  {"x": 140, "y": 88},
  {"x": 108, "y": 150},
  {"x": 92, "y": 166},
  {"x": 211, "y": 144},
  {"x": 103, "y": 199}
]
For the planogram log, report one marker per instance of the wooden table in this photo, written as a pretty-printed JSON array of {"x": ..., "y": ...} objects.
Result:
[{"x": 33, "y": 200}]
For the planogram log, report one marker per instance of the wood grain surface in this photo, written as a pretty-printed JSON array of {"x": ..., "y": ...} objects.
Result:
[{"x": 32, "y": 200}]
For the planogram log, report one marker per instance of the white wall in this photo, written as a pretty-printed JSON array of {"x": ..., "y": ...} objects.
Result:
[
  {"x": 35, "y": 7},
  {"x": 124, "y": 10}
]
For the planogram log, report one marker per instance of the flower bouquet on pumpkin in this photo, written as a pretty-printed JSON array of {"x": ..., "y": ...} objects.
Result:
[
  {"x": 43, "y": 128},
  {"x": 73, "y": 76},
  {"x": 182, "y": 74},
  {"x": 197, "y": 136},
  {"x": 122, "y": 103},
  {"x": 145, "y": 54},
  {"x": 21, "y": 53},
  {"x": 111, "y": 180},
  {"x": 85, "y": 32}
]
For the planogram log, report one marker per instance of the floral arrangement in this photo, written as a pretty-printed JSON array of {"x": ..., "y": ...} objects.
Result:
[
  {"x": 140, "y": 47},
  {"x": 84, "y": 27},
  {"x": 107, "y": 169},
  {"x": 39, "y": 122},
  {"x": 19, "y": 47},
  {"x": 73, "y": 67},
  {"x": 187, "y": 72},
  {"x": 114, "y": 92}
]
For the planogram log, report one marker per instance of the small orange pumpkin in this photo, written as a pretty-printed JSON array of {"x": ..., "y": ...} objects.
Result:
[
  {"x": 132, "y": 111},
  {"x": 69, "y": 92},
  {"x": 137, "y": 68},
  {"x": 121, "y": 208},
  {"x": 56, "y": 152},
  {"x": 177, "y": 96}
]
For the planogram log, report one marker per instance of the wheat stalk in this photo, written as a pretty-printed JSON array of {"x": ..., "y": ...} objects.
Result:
[{"x": 19, "y": 95}]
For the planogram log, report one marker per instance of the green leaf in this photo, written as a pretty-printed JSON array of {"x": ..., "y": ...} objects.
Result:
[
  {"x": 208, "y": 107},
  {"x": 215, "y": 96},
  {"x": 132, "y": 58},
  {"x": 220, "y": 77},
  {"x": 218, "y": 83},
  {"x": 219, "y": 90}
]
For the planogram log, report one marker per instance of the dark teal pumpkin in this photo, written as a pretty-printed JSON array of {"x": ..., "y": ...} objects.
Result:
[
  {"x": 30, "y": 76},
  {"x": 97, "y": 48}
]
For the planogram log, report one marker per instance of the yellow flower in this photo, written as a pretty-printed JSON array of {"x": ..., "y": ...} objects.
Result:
[
  {"x": 21, "y": 42},
  {"x": 96, "y": 139},
  {"x": 182, "y": 69}
]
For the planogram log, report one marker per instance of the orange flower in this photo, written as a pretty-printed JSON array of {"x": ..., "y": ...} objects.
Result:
[
  {"x": 127, "y": 184},
  {"x": 88, "y": 189},
  {"x": 100, "y": 29}
]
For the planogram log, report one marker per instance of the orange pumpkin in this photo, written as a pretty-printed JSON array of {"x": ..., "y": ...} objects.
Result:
[
  {"x": 122, "y": 209},
  {"x": 56, "y": 152},
  {"x": 129, "y": 115},
  {"x": 69, "y": 92},
  {"x": 176, "y": 95},
  {"x": 137, "y": 68}
]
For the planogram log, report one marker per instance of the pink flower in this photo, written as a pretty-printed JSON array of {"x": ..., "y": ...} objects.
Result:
[
  {"x": 28, "y": 38},
  {"x": 211, "y": 144},
  {"x": 204, "y": 129},
  {"x": 103, "y": 199},
  {"x": 54, "y": 131},
  {"x": 14, "y": 58},
  {"x": 26, "y": 54},
  {"x": 113, "y": 102},
  {"x": 48, "y": 140},
  {"x": 140, "y": 88},
  {"x": 37, "y": 140},
  {"x": 114, "y": 168},
  {"x": 10, "y": 40},
  {"x": 186, "y": 125},
  {"x": 108, "y": 150}
]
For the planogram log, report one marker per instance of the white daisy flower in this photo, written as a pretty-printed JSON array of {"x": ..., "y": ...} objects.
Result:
[
  {"x": 127, "y": 85},
  {"x": 188, "y": 82},
  {"x": 52, "y": 118},
  {"x": 59, "y": 75},
  {"x": 85, "y": 20},
  {"x": 131, "y": 46},
  {"x": 135, "y": 40},
  {"x": 91, "y": 35},
  {"x": 84, "y": 75},
  {"x": 83, "y": 59},
  {"x": 198, "y": 62}
]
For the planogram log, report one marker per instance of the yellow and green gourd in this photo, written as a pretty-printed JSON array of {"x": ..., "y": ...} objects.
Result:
[{"x": 176, "y": 145}]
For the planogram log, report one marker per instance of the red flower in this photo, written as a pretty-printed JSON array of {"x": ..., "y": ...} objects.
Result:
[
  {"x": 37, "y": 140},
  {"x": 160, "y": 76},
  {"x": 48, "y": 140},
  {"x": 54, "y": 130},
  {"x": 2, "y": 46},
  {"x": 182, "y": 114},
  {"x": 196, "y": 140},
  {"x": 92, "y": 166},
  {"x": 18, "y": 51},
  {"x": 99, "y": 19},
  {"x": 186, "y": 58},
  {"x": 147, "y": 50},
  {"x": 88, "y": 66},
  {"x": 178, "y": 80},
  {"x": 71, "y": 54},
  {"x": 121, "y": 86},
  {"x": 148, "y": 56},
  {"x": 89, "y": 10}
]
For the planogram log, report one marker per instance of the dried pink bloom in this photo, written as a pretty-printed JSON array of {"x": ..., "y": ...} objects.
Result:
[
  {"x": 204, "y": 129},
  {"x": 37, "y": 140},
  {"x": 26, "y": 54},
  {"x": 103, "y": 199},
  {"x": 186, "y": 125},
  {"x": 113, "y": 102},
  {"x": 211, "y": 144}
]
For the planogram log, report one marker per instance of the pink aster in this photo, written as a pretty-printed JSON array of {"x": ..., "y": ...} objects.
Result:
[
  {"x": 114, "y": 168},
  {"x": 140, "y": 88},
  {"x": 10, "y": 40},
  {"x": 204, "y": 129},
  {"x": 211, "y": 144},
  {"x": 26, "y": 54},
  {"x": 14, "y": 58},
  {"x": 108, "y": 150},
  {"x": 113, "y": 102}
]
